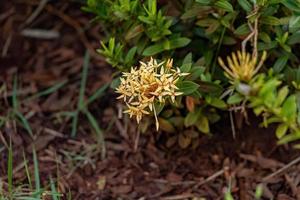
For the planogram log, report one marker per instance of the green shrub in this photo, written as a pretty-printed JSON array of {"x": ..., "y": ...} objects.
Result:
[{"x": 263, "y": 75}]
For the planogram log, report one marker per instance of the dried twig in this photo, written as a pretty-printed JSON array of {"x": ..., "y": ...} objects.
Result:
[
  {"x": 293, "y": 162},
  {"x": 210, "y": 178},
  {"x": 178, "y": 197},
  {"x": 40, "y": 33},
  {"x": 37, "y": 11}
]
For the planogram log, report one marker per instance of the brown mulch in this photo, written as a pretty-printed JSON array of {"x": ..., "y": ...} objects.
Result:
[{"x": 148, "y": 170}]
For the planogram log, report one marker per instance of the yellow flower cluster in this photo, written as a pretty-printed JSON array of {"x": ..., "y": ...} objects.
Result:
[
  {"x": 242, "y": 66},
  {"x": 151, "y": 82}
]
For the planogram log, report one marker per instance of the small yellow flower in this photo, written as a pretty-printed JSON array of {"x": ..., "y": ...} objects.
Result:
[
  {"x": 151, "y": 82},
  {"x": 242, "y": 66}
]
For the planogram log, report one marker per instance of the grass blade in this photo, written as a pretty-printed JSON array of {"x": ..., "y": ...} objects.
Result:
[
  {"x": 24, "y": 122},
  {"x": 99, "y": 92},
  {"x": 86, "y": 62},
  {"x": 99, "y": 132},
  {"x": 74, "y": 124},
  {"x": 54, "y": 193},
  {"x": 15, "y": 103},
  {"x": 10, "y": 170},
  {"x": 27, "y": 170},
  {"x": 36, "y": 174},
  {"x": 47, "y": 91}
]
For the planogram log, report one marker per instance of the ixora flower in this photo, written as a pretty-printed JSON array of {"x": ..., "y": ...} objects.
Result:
[
  {"x": 151, "y": 82},
  {"x": 242, "y": 66}
]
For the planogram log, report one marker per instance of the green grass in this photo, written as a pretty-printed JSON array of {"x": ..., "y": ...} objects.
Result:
[
  {"x": 25, "y": 191},
  {"x": 82, "y": 107}
]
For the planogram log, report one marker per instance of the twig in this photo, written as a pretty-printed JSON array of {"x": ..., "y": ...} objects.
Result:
[
  {"x": 6, "y": 45},
  {"x": 40, "y": 33},
  {"x": 195, "y": 183},
  {"x": 232, "y": 124},
  {"x": 178, "y": 197},
  {"x": 293, "y": 162},
  {"x": 137, "y": 139},
  {"x": 37, "y": 11},
  {"x": 210, "y": 178}
]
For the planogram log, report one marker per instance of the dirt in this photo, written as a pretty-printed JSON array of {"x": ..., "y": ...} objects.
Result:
[{"x": 133, "y": 169}]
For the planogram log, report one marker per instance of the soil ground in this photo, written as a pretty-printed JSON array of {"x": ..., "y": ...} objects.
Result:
[{"x": 47, "y": 48}]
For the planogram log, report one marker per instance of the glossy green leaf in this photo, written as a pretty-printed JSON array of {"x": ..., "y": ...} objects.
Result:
[
  {"x": 270, "y": 20},
  {"x": 187, "y": 87},
  {"x": 187, "y": 63},
  {"x": 179, "y": 42},
  {"x": 153, "y": 49},
  {"x": 245, "y": 5},
  {"x": 242, "y": 30},
  {"x": 289, "y": 108},
  {"x": 204, "y": 2},
  {"x": 130, "y": 55},
  {"x": 203, "y": 124},
  {"x": 282, "y": 94},
  {"x": 235, "y": 99},
  {"x": 224, "y": 5},
  {"x": 165, "y": 125},
  {"x": 216, "y": 102},
  {"x": 280, "y": 63},
  {"x": 281, "y": 130}
]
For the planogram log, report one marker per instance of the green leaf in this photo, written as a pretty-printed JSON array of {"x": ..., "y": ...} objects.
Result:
[
  {"x": 289, "y": 108},
  {"x": 216, "y": 102},
  {"x": 153, "y": 49},
  {"x": 130, "y": 55},
  {"x": 227, "y": 40},
  {"x": 187, "y": 63},
  {"x": 133, "y": 32},
  {"x": 259, "y": 191},
  {"x": 209, "y": 87},
  {"x": 281, "y": 130},
  {"x": 292, "y": 4},
  {"x": 192, "y": 118},
  {"x": 294, "y": 39},
  {"x": 195, "y": 72},
  {"x": 235, "y": 99},
  {"x": 187, "y": 87},
  {"x": 245, "y": 5},
  {"x": 115, "y": 83},
  {"x": 270, "y": 20},
  {"x": 289, "y": 138},
  {"x": 264, "y": 37},
  {"x": 224, "y": 5},
  {"x": 294, "y": 24},
  {"x": 203, "y": 124},
  {"x": 258, "y": 110},
  {"x": 282, "y": 94},
  {"x": 280, "y": 64},
  {"x": 242, "y": 30},
  {"x": 204, "y": 2},
  {"x": 179, "y": 42},
  {"x": 166, "y": 125}
]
